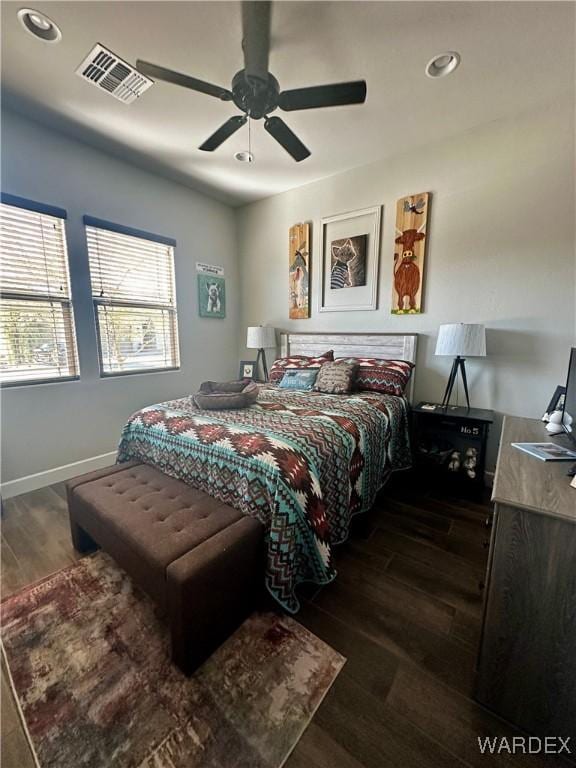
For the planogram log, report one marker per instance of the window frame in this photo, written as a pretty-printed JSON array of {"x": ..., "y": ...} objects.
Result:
[
  {"x": 96, "y": 223},
  {"x": 67, "y": 304}
]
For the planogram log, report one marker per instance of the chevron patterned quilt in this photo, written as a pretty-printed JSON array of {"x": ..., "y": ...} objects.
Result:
[{"x": 303, "y": 463}]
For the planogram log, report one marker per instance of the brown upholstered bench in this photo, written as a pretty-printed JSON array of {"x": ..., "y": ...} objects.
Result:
[{"x": 199, "y": 559}]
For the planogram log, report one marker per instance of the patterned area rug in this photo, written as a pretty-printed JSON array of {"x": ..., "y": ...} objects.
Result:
[{"x": 89, "y": 662}]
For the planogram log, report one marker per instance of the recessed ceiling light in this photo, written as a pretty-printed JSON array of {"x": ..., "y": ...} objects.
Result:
[
  {"x": 39, "y": 25},
  {"x": 244, "y": 157},
  {"x": 443, "y": 64}
]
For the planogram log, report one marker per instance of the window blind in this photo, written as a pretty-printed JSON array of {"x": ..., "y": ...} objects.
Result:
[
  {"x": 37, "y": 338},
  {"x": 134, "y": 301}
]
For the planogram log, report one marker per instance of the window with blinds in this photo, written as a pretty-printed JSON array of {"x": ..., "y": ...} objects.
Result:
[
  {"x": 37, "y": 338},
  {"x": 134, "y": 298}
]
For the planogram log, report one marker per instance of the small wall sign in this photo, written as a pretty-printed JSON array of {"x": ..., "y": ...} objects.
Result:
[{"x": 209, "y": 269}]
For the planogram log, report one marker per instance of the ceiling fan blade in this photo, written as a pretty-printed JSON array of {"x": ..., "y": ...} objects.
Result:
[
  {"x": 334, "y": 95},
  {"x": 256, "y": 38},
  {"x": 224, "y": 132},
  {"x": 277, "y": 128},
  {"x": 177, "y": 78}
]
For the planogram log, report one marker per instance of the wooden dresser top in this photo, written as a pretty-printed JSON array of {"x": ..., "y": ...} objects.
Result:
[{"x": 524, "y": 481}]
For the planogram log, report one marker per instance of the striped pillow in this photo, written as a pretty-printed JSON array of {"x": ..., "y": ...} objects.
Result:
[
  {"x": 296, "y": 362},
  {"x": 387, "y": 376}
]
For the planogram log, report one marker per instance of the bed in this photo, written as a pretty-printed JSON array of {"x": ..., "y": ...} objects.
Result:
[{"x": 303, "y": 463}]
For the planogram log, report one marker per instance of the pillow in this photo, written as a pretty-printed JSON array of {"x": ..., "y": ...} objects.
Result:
[
  {"x": 387, "y": 376},
  {"x": 336, "y": 378},
  {"x": 280, "y": 366},
  {"x": 303, "y": 379}
]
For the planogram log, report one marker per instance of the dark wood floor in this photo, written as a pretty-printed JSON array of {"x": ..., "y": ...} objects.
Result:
[{"x": 405, "y": 610}]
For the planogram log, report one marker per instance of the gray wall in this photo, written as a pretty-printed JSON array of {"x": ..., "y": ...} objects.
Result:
[
  {"x": 500, "y": 252},
  {"x": 46, "y": 426}
]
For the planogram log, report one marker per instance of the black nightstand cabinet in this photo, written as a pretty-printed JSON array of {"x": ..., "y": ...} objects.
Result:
[{"x": 449, "y": 446}]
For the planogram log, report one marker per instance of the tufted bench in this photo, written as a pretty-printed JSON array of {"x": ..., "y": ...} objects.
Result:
[{"x": 199, "y": 559}]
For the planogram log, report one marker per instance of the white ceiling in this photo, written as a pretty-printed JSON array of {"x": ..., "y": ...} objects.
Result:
[{"x": 515, "y": 55}]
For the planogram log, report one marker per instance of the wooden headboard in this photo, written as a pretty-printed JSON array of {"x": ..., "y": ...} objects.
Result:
[{"x": 394, "y": 346}]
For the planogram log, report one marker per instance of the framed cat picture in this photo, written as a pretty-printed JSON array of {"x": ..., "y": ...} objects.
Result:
[{"x": 350, "y": 251}]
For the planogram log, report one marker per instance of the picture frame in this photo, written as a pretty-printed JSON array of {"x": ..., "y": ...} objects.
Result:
[
  {"x": 556, "y": 403},
  {"x": 211, "y": 296},
  {"x": 351, "y": 226},
  {"x": 247, "y": 370},
  {"x": 299, "y": 297},
  {"x": 410, "y": 246}
]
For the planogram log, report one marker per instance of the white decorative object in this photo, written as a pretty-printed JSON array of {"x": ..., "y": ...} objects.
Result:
[
  {"x": 454, "y": 464},
  {"x": 554, "y": 425},
  {"x": 470, "y": 462}
]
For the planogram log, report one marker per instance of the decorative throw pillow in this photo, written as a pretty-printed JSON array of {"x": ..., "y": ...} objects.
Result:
[
  {"x": 387, "y": 376},
  {"x": 298, "y": 362},
  {"x": 336, "y": 378},
  {"x": 299, "y": 379}
]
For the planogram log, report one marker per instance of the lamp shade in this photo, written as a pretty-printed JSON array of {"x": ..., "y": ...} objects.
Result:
[
  {"x": 260, "y": 337},
  {"x": 461, "y": 340}
]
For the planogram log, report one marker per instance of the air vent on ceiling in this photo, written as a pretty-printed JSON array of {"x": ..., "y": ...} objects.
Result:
[{"x": 110, "y": 73}]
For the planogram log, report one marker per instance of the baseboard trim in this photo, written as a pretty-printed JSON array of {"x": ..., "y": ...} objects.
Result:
[{"x": 56, "y": 475}]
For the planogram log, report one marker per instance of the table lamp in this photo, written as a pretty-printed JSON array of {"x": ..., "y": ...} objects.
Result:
[
  {"x": 460, "y": 340},
  {"x": 261, "y": 337}
]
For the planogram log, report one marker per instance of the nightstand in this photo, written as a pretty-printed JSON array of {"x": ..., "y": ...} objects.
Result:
[{"x": 449, "y": 445}]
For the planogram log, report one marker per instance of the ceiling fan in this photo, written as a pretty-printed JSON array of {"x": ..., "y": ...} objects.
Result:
[{"x": 256, "y": 92}]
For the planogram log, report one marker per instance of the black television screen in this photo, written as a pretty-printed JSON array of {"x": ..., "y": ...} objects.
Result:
[{"x": 569, "y": 411}]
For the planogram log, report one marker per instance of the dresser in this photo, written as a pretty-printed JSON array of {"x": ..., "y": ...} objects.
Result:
[{"x": 527, "y": 657}]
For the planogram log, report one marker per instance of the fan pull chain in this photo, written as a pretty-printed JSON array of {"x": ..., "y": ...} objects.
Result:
[{"x": 246, "y": 156}]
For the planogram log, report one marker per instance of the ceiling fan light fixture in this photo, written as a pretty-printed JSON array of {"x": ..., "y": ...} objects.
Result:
[
  {"x": 244, "y": 156},
  {"x": 39, "y": 25},
  {"x": 443, "y": 64},
  {"x": 256, "y": 92}
]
